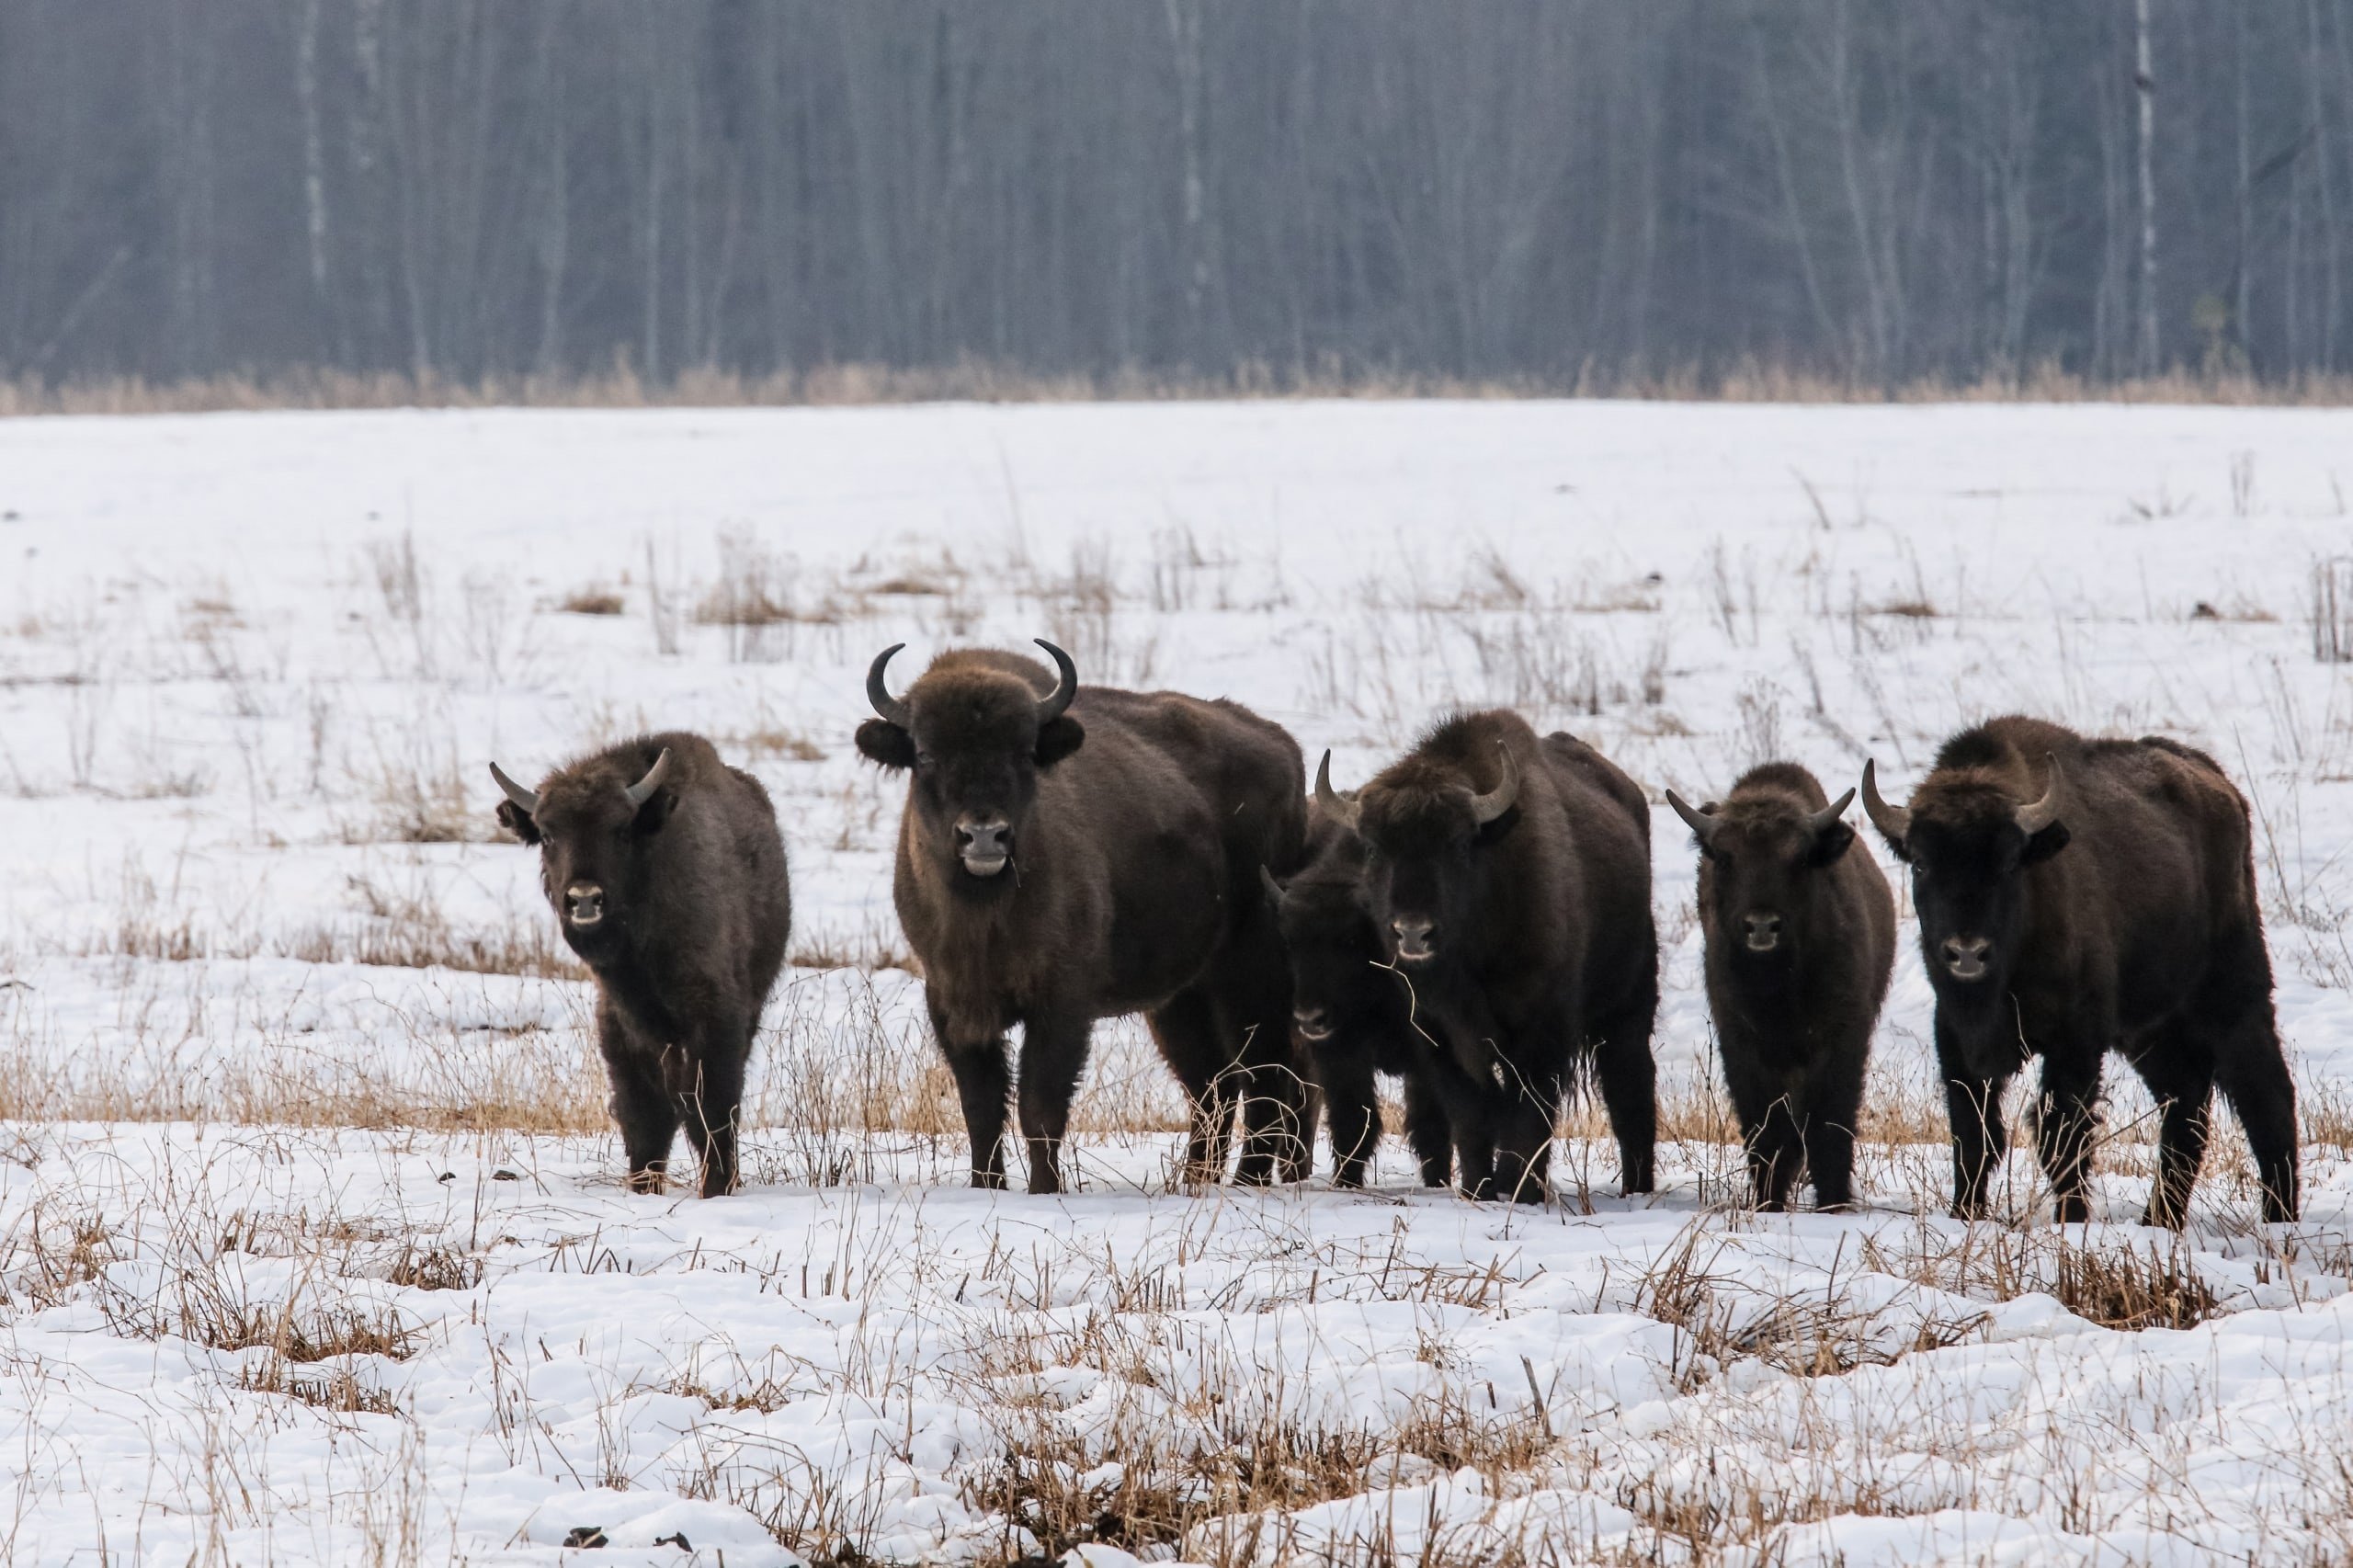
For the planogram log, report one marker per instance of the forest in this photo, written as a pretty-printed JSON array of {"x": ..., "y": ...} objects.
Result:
[{"x": 1552, "y": 194}]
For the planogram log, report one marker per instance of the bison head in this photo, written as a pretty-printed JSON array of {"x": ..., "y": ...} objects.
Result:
[
  {"x": 1424, "y": 822},
  {"x": 1332, "y": 946},
  {"x": 1762, "y": 856},
  {"x": 975, "y": 736},
  {"x": 1968, "y": 840},
  {"x": 590, "y": 822}
]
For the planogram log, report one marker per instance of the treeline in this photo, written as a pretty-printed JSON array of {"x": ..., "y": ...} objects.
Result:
[{"x": 1534, "y": 192}]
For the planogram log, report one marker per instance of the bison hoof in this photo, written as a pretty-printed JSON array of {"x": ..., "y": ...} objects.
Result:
[
  {"x": 646, "y": 1182},
  {"x": 989, "y": 1181},
  {"x": 1834, "y": 1206}
]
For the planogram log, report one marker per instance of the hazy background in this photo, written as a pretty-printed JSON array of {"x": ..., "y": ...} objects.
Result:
[{"x": 1544, "y": 191}]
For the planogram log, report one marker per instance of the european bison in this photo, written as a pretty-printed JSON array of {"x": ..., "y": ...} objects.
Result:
[
  {"x": 1801, "y": 937},
  {"x": 1349, "y": 1007},
  {"x": 1067, "y": 854},
  {"x": 668, "y": 878},
  {"x": 1510, "y": 881},
  {"x": 2076, "y": 896}
]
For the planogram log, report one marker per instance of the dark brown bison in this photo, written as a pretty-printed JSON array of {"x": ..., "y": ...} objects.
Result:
[
  {"x": 1800, "y": 937},
  {"x": 1349, "y": 1007},
  {"x": 1510, "y": 879},
  {"x": 668, "y": 878},
  {"x": 2076, "y": 896},
  {"x": 1069, "y": 854}
]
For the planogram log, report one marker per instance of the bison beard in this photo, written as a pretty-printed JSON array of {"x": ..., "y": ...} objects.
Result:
[
  {"x": 668, "y": 878},
  {"x": 2076, "y": 896},
  {"x": 1067, "y": 854},
  {"x": 1800, "y": 928},
  {"x": 1510, "y": 881}
]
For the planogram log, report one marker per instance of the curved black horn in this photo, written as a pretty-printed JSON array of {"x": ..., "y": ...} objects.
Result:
[
  {"x": 1486, "y": 808},
  {"x": 1893, "y": 821},
  {"x": 1266, "y": 880},
  {"x": 879, "y": 694},
  {"x": 1699, "y": 822},
  {"x": 1065, "y": 687},
  {"x": 2037, "y": 815},
  {"x": 1821, "y": 819},
  {"x": 525, "y": 801},
  {"x": 651, "y": 781},
  {"x": 1339, "y": 811}
]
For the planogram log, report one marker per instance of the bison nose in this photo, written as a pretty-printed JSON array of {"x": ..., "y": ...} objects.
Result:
[
  {"x": 1965, "y": 955},
  {"x": 584, "y": 903},
  {"x": 983, "y": 845},
  {"x": 1313, "y": 1023},
  {"x": 1763, "y": 932},
  {"x": 1413, "y": 933}
]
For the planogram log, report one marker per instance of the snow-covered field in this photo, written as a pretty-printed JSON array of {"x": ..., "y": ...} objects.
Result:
[{"x": 313, "y": 1247}]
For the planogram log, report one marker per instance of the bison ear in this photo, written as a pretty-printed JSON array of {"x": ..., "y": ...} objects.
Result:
[
  {"x": 883, "y": 741},
  {"x": 516, "y": 821},
  {"x": 656, "y": 810},
  {"x": 1830, "y": 844},
  {"x": 1057, "y": 738},
  {"x": 2044, "y": 844}
]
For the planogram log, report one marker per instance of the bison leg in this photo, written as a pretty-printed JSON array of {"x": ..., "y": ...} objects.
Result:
[
  {"x": 983, "y": 1086},
  {"x": 1524, "y": 1135},
  {"x": 1769, "y": 1134},
  {"x": 1980, "y": 1141},
  {"x": 1629, "y": 1078},
  {"x": 1275, "y": 1144},
  {"x": 1351, "y": 1110},
  {"x": 1427, "y": 1132},
  {"x": 1833, "y": 1102},
  {"x": 2253, "y": 1076},
  {"x": 2063, "y": 1131},
  {"x": 1249, "y": 993},
  {"x": 1185, "y": 1028},
  {"x": 641, "y": 1103},
  {"x": 712, "y": 1109},
  {"x": 1054, "y": 1054}
]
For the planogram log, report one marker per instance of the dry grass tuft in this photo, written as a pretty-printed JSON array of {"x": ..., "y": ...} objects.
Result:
[{"x": 592, "y": 601}]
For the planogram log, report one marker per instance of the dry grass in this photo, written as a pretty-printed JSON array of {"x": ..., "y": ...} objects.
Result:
[
  {"x": 974, "y": 380},
  {"x": 592, "y": 601}
]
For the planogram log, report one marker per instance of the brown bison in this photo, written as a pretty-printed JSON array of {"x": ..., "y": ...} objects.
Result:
[
  {"x": 1071, "y": 853},
  {"x": 668, "y": 878},
  {"x": 1510, "y": 879},
  {"x": 2077, "y": 896},
  {"x": 1800, "y": 937},
  {"x": 1349, "y": 1007}
]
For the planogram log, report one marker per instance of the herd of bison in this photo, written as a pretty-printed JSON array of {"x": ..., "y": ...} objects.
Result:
[{"x": 1475, "y": 920}]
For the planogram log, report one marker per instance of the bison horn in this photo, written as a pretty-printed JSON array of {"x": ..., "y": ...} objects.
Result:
[
  {"x": 1266, "y": 880},
  {"x": 879, "y": 694},
  {"x": 638, "y": 791},
  {"x": 1892, "y": 822},
  {"x": 2033, "y": 818},
  {"x": 1486, "y": 808},
  {"x": 525, "y": 801},
  {"x": 1065, "y": 687},
  {"x": 1822, "y": 819},
  {"x": 1339, "y": 811},
  {"x": 1700, "y": 822}
]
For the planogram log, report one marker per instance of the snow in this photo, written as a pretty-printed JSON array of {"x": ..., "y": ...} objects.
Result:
[{"x": 251, "y": 668}]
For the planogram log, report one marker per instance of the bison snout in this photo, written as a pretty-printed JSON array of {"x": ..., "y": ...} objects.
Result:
[
  {"x": 1965, "y": 957},
  {"x": 985, "y": 846},
  {"x": 1763, "y": 932},
  {"x": 1313, "y": 1023},
  {"x": 584, "y": 903},
  {"x": 1414, "y": 935}
]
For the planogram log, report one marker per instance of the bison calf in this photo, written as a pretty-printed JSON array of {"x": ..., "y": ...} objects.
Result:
[
  {"x": 1800, "y": 937},
  {"x": 2077, "y": 896},
  {"x": 1349, "y": 1007},
  {"x": 667, "y": 876}
]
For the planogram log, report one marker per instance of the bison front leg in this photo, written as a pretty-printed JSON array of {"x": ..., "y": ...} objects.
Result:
[
  {"x": 1351, "y": 1109},
  {"x": 2064, "y": 1128},
  {"x": 1973, "y": 1109},
  {"x": 1427, "y": 1132},
  {"x": 1054, "y": 1054},
  {"x": 642, "y": 1105},
  {"x": 982, "y": 1084},
  {"x": 713, "y": 1109}
]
